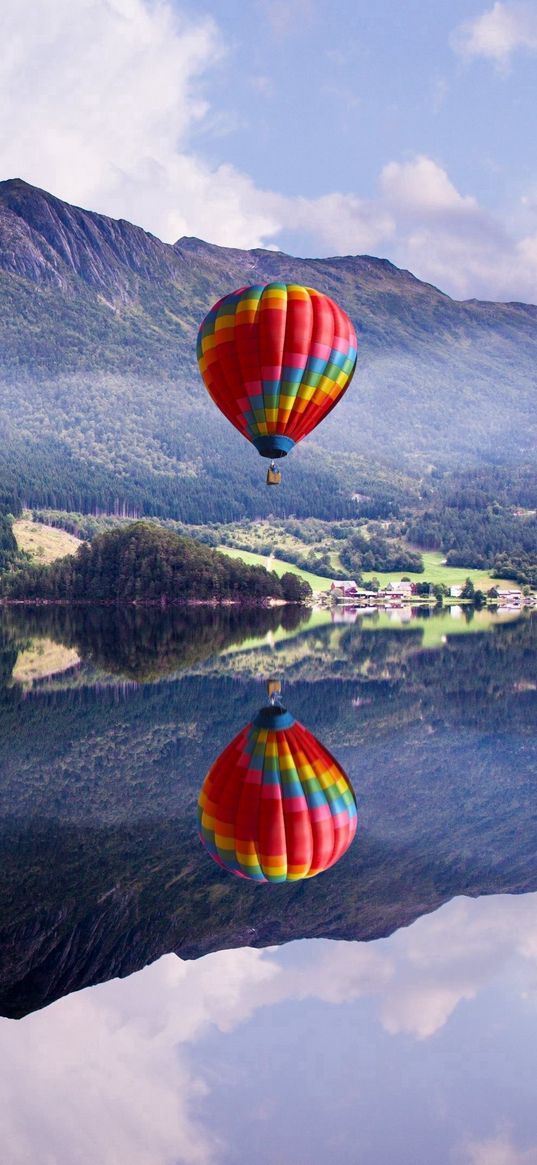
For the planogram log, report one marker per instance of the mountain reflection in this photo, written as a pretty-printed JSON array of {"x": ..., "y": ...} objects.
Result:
[
  {"x": 102, "y": 868},
  {"x": 146, "y": 644},
  {"x": 178, "y": 1048}
]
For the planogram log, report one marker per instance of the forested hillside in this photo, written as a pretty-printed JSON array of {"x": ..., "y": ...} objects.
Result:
[
  {"x": 479, "y": 519},
  {"x": 101, "y": 404},
  {"x": 139, "y": 563}
]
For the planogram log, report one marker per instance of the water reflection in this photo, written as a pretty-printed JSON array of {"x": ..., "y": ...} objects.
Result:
[
  {"x": 414, "y": 1048},
  {"x": 146, "y": 644},
  {"x": 276, "y": 806},
  {"x": 102, "y": 868}
]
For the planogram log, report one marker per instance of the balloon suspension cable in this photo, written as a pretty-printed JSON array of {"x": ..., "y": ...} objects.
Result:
[{"x": 274, "y": 691}]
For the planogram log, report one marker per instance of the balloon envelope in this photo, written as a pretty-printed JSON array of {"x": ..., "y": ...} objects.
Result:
[
  {"x": 276, "y": 359},
  {"x": 276, "y": 806}
]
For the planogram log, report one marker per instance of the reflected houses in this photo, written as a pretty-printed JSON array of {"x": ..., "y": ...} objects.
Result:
[
  {"x": 348, "y": 593},
  {"x": 510, "y": 597},
  {"x": 347, "y": 615},
  {"x": 102, "y": 868}
]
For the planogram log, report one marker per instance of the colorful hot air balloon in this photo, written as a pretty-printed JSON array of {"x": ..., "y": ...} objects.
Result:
[
  {"x": 275, "y": 360},
  {"x": 276, "y": 806}
]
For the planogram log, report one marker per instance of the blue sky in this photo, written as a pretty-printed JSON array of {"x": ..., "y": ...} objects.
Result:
[{"x": 399, "y": 129}]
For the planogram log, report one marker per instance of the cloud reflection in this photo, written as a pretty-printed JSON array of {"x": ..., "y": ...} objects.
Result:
[
  {"x": 106, "y": 1074},
  {"x": 498, "y": 1151}
]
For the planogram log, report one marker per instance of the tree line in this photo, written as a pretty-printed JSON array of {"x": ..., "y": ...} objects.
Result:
[
  {"x": 141, "y": 562},
  {"x": 485, "y": 518}
]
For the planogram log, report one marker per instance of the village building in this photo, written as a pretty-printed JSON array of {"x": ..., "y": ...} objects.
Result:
[
  {"x": 401, "y": 590},
  {"x": 347, "y": 591},
  {"x": 346, "y": 588},
  {"x": 509, "y": 596}
]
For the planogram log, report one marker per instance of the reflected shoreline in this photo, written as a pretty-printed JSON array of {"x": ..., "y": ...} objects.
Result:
[
  {"x": 149, "y": 642},
  {"x": 102, "y": 868}
]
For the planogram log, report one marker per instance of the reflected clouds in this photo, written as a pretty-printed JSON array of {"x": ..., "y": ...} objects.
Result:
[
  {"x": 498, "y": 1151},
  {"x": 108, "y": 1074}
]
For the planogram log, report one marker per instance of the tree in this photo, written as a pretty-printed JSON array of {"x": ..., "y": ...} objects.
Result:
[
  {"x": 468, "y": 590},
  {"x": 294, "y": 588}
]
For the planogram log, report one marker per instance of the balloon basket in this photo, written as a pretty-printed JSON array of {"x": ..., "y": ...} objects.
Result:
[{"x": 274, "y": 475}]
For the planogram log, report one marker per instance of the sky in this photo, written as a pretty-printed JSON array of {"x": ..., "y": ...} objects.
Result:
[
  {"x": 419, "y": 1047},
  {"x": 317, "y": 127}
]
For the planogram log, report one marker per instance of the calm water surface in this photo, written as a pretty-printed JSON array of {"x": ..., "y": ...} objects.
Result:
[{"x": 384, "y": 1012}]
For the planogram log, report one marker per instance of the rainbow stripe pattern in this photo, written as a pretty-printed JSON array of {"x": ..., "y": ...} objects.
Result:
[
  {"x": 276, "y": 359},
  {"x": 276, "y": 806}
]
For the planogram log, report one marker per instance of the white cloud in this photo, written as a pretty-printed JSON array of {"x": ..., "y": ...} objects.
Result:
[
  {"x": 97, "y": 1077},
  {"x": 340, "y": 222},
  {"x": 86, "y": 87},
  {"x": 101, "y": 102},
  {"x": 104, "y": 1075},
  {"x": 98, "y": 101},
  {"x": 448, "y": 239},
  {"x": 450, "y": 956},
  {"x": 421, "y": 185},
  {"x": 496, "y": 1151},
  {"x": 499, "y": 32}
]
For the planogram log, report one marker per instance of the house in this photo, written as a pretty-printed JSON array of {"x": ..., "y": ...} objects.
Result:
[
  {"x": 345, "y": 589},
  {"x": 455, "y": 592},
  {"x": 400, "y": 590},
  {"x": 509, "y": 596}
]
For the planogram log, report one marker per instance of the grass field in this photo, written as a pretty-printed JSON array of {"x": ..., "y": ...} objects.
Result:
[
  {"x": 44, "y": 544},
  {"x": 434, "y": 571},
  {"x": 317, "y": 582}
]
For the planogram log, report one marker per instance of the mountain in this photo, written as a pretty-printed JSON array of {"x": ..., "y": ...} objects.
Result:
[
  {"x": 102, "y": 404},
  {"x": 102, "y": 870}
]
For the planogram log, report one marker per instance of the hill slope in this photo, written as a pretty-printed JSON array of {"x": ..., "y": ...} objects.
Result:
[
  {"x": 141, "y": 562},
  {"x": 98, "y": 374}
]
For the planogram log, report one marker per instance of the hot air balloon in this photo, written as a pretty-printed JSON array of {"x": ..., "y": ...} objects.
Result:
[
  {"x": 276, "y": 359},
  {"x": 276, "y": 806}
]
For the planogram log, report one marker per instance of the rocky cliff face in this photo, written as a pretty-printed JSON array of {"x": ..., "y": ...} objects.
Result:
[{"x": 48, "y": 241}]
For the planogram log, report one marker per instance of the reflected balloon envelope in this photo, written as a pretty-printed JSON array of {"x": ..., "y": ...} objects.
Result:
[{"x": 276, "y": 806}]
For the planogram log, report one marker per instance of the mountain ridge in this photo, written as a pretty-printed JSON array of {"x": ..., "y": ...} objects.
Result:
[{"x": 99, "y": 381}]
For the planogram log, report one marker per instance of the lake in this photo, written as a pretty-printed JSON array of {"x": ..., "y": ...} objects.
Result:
[{"x": 158, "y": 1009}]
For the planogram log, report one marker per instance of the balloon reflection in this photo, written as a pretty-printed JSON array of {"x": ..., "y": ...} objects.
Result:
[{"x": 276, "y": 806}]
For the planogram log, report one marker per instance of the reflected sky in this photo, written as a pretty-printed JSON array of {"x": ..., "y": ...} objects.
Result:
[
  {"x": 405, "y": 1050},
  {"x": 416, "y": 1048}
]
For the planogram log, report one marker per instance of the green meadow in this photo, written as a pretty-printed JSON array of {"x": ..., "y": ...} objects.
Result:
[{"x": 435, "y": 571}]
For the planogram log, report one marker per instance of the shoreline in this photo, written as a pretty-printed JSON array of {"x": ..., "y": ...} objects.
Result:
[{"x": 153, "y": 603}]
